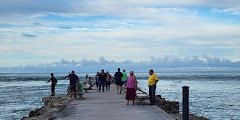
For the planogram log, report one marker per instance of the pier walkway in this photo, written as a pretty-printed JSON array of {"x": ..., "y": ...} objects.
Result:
[{"x": 109, "y": 105}]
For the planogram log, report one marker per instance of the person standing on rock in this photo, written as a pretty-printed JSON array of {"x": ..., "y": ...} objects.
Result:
[
  {"x": 102, "y": 80},
  {"x": 73, "y": 80},
  {"x": 131, "y": 88},
  {"x": 54, "y": 82},
  {"x": 152, "y": 81},
  {"x": 118, "y": 77}
]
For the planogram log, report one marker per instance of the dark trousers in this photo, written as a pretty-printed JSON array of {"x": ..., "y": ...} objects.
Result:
[
  {"x": 53, "y": 89},
  {"x": 108, "y": 86},
  {"x": 102, "y": 85},
  {"x": 152, "y": 94}
]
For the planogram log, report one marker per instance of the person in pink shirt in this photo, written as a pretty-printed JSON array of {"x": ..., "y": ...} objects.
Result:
[
  {"x": 131, "y": 88},
  {"x": 108, "y": 81}
]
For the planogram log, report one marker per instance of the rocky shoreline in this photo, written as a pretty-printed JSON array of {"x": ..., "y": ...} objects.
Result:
[
  {"x": 172, "y": 108},
  {"x": 52, "y": 104}
]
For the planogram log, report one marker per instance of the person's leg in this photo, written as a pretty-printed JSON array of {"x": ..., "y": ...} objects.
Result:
[
  {"x": 133, "y": 103},
  {"x": 74, "y": 90},
  {"x": 108, "y": 86},
  {"x": 121, "y": 89},
  {"x": 100, "y": 84},
  {"x": 154, "y": 89},
  {"x": 75, "y": 95},
  {"x": 151, "y": 94},
  {"x": 53, "y": 89},
  {"x": 71, "y": 91},
  {"x": 104, "y": 84},
  {"x": 97, "y": 85},
  {"x": 127, "y": 103},
  {"x": 117, "y": 88},
  {"x": 71, "y": 94}
]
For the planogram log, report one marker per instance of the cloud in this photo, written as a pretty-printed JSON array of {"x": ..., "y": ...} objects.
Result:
[
  {"x": 231, "y": 11},
  {"x": 168, "y": 62},
  {"x": 29, "y": 35},
  {"x": 65, "y": 27},
  {"x": 86, "y": 7},
  {"x": 37, "y": 23}
]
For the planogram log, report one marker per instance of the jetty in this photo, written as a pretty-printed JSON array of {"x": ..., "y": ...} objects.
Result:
[{"x": 108, "y": 105}]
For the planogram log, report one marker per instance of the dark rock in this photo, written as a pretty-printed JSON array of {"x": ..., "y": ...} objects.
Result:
[
  {"x": 167, "y": 108},
  {"x": 34, "y": 113},
  {"x": 175, "y": 105},
  {"x": 174, "y": 111}
]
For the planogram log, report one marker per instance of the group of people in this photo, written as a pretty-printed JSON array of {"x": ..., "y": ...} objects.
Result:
[
  {"x": 104, "y": 80},
  {"x": 74, "y": 85}
]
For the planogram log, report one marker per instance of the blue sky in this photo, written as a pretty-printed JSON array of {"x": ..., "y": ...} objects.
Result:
[{"x": 43, "y": 32}]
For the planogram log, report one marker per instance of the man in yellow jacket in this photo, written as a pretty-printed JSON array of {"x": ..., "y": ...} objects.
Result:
[{"x": 152, "y": 81}]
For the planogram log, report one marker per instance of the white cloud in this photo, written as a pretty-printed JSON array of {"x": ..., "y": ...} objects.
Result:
[{"x": 233, "y": 11}]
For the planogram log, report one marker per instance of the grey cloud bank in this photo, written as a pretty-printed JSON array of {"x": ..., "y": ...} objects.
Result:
[{"x": 167, "y": 63}]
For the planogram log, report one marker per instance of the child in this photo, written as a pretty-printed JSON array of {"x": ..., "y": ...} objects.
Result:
[{"x": 54, "y": 82}]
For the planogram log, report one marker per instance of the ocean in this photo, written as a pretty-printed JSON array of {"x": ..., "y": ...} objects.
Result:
[{"x": 214, "y": 95}]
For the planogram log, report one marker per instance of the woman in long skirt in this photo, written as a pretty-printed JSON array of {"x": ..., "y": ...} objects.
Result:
[{"x": 131, "y": 88}]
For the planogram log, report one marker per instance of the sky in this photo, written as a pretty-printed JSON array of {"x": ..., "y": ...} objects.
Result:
[{"x": 43, "y": 33}]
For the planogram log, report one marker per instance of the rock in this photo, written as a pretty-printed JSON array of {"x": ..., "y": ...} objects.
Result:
[
  {"x": 194, "y": 117},
  {"x": 167, "y": 108},
  {"x": 174, "y": 111},
  {"x": 34, "y": 113},
  {"x": 51, "y": 105},
  {"x": 175, "y": 105}
]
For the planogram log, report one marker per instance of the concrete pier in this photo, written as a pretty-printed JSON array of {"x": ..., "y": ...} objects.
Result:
[{"x": 108, "y": 105}]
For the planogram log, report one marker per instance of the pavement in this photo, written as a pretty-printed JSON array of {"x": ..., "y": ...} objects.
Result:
[{"x": 108, "y": 105}]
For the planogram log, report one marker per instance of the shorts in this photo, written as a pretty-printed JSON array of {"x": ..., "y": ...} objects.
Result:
[
  {"x": 124, "y": 83},
  {"x": 72, "y": 88},
  {"x": 119, "y": 83}
]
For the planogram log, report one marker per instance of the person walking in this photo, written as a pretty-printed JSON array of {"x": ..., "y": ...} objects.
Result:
[
  {"x": 118, "y": 77},
  {"x": 54, "y": 82},
  {"x": 73, "y": 80},
  {"x": 102, "y": 80},
  {"x": 97, "y": 80},
  {"x": 108, "y": 81},
  {"x": 124, "y": 78},
  {"x": 131, "y": 88},
  {"x": 152, "y": 81}
]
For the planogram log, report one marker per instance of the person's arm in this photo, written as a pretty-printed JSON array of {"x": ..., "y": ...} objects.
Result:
[
  {"x": 135, "y": 80},
  {"x": 48, "y": 80},
  {"x": 65, "y": 77},
  {"x": 156, "y": 78}
]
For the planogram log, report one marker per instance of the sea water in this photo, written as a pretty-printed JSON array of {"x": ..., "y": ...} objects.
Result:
[{"x": 214, "y": 95}]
